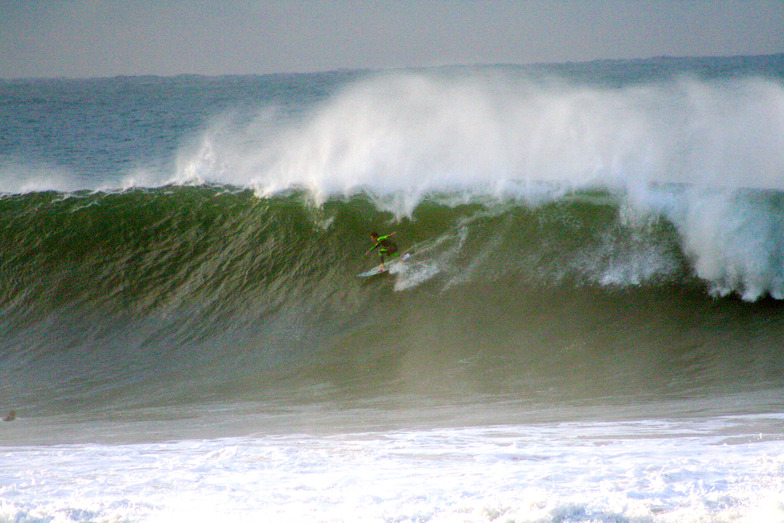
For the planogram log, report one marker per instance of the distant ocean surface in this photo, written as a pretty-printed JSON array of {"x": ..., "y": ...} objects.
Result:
[{"x": 590, "y": 326}]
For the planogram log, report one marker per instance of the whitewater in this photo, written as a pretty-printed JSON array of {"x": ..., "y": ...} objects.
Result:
[{"x": 589, "y": 327}]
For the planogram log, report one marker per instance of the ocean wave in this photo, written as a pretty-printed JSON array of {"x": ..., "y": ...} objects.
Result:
[
  {"x": 701, "y": 153},
  {"x": 215, "y": 291},
  {"x": 618, "y": 227}
]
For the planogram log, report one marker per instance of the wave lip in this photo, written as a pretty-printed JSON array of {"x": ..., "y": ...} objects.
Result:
[{"x": 736, "y": 240}]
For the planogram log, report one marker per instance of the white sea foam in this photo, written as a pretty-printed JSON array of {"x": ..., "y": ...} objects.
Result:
[
  {"x": 736, "y": 239},
  {"x": 715, "y": 469}
]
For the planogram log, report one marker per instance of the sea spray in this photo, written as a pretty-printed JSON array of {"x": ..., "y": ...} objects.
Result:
[{"x": 490, "y": 134}]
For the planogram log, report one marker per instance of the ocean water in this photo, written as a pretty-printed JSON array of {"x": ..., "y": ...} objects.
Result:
[{"x": 590, "y": 326}]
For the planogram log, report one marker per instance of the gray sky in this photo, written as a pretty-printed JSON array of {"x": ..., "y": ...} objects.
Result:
[{"x": 78, "y": 38}]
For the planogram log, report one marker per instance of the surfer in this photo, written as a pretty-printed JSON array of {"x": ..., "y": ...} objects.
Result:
[
  {"x": 386, "y": 247},
  {"x": 11, "y": 416}
]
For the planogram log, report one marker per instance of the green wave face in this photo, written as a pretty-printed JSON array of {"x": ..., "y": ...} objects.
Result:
[{"x": 216, "y": 293}]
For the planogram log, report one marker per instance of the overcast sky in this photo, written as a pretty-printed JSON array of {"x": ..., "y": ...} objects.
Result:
[{"x": 85, "y": 38}]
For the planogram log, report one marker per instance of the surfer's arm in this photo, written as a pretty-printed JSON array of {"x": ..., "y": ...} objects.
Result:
[{"x": 385, "y": 237}]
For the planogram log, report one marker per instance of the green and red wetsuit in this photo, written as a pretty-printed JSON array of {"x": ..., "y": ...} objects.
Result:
[{"x": 386, "y": 247}]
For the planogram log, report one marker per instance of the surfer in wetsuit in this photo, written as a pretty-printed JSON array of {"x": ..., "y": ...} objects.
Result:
[{"x": 386, "y": 247}]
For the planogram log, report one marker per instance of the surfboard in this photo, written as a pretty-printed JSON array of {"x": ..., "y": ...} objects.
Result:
[
  {"x": 382, "y": 269},
  {"x": 375, "y": 271}
]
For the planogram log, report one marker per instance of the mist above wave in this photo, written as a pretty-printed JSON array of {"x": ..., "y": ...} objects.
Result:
[
  {"x": 415, "y": 134},
  {"x": 704, "y": 154}
]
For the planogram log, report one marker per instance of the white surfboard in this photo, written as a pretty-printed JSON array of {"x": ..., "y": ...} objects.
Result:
[{"x": 382, "y": 269}]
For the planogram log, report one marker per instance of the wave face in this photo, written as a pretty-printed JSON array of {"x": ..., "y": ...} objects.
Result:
[
  {"x": 578, "y": 232},
  {"x": 182, "y": 294}
]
